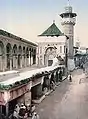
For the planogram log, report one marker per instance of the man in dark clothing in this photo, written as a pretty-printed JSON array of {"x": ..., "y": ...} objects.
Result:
[{"x": 60, "y": 75}]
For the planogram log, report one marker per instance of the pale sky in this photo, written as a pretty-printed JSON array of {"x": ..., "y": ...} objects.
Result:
[{"x": 29, "y": 18}]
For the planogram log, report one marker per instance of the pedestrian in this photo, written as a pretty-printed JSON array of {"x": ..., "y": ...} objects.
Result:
[
  {"x": 70, "y": 77},
  {"x": 60, "y": 75}
]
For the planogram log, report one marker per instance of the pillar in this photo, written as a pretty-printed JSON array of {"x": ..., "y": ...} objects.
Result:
[
  {"x": 16, "y": 62},
  {"x": 25, "y": 61},
  {"x": 7, "y": 109},
  {"x": 39, "y": 90},
  {"x": 3, "y": 62},
  {"x": 20, "y": 61},
  {"x": 0, "y": 63},
  {"x": 30, "y": 58},
  {"x": 10, "y": 63},
  {"x": 27, "y": 98},
  {"x": 1, "y": 109}
]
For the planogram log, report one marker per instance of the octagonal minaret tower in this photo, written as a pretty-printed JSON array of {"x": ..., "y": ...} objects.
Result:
[{"x": 68, "y": 22}]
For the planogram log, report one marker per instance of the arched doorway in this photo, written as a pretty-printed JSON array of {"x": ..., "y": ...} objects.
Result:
[
  {"x": 9, "y": 57},
  {"x": 2, "y": 50},
  {"x": 50, "y": 53}
]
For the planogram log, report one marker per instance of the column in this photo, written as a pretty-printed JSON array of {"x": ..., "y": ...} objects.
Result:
[
  {"x": 10, "y": 63},
  {"x": 1, "y": 109},
  {"x": 7, "y": 109},
  {"x": 0, "y": 63},
  {"x": 3, "y": 62},
  {"x": 27, "y": 98},
  {"x": 39, "y": 90},
  {"x": 16, "y": 62},
  {"x": 27, "y": 61},
  {"x": 30, "y": 58},
  {"x": 24, "y": 61},
  {"x": 20, "y": 61}
]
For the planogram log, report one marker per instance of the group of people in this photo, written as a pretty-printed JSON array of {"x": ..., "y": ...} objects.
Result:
[{"x": 24, "y": 112}]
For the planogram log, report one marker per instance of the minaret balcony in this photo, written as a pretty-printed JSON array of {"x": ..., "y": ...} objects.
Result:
[{"x": 68, "y": 21}]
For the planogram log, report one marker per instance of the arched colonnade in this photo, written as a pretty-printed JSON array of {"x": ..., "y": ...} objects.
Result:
[{"x": 15, "y": 56}]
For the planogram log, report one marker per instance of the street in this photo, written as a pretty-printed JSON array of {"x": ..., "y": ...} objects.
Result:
[{"x": 68, "y": 101}]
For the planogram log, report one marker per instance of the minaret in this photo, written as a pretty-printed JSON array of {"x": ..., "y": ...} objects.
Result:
[{"x": 68, "y": 22}]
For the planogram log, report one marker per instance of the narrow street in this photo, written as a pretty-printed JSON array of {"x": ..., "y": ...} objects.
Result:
[{"x": 68, "y": 101}]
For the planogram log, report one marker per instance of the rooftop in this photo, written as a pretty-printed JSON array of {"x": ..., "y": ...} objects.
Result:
[
  {"x": 52, "y": 31},
  {"x": 7, "y": 34}
]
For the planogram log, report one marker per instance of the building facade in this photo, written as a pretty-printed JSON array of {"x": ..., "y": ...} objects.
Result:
[
  {"x": 15, "y": 52},
  {"x": 51, "y": 44}
]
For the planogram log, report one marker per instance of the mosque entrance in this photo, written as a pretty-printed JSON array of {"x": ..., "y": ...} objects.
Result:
[
  {"x": 50, "y": 53},
  {"x": 50, "y": 62}
]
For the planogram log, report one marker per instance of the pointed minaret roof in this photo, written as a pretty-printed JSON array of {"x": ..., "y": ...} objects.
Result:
[{"x": 52, "y": 31}]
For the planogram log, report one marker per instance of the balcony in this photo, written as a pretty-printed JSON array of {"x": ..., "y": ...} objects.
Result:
[{"x": 68, "y": 20}]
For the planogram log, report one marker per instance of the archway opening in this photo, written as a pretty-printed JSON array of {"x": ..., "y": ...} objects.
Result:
[
  {"x": 8, "y": 51},
  {"x": 1, "y": 55}
]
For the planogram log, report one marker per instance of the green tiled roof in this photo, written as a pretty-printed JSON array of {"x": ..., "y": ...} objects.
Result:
[{"x": 52, "y": 31}]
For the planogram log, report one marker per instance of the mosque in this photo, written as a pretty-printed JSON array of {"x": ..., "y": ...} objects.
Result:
[{"x": 53, "y": 42}]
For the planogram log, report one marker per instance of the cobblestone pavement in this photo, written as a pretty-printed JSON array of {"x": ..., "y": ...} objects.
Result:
[{"x": 68, "y": 101}]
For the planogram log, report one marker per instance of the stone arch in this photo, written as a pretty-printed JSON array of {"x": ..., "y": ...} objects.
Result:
[
  {"x": 50, "y": 53},
  {"x": 14, "y": 51},
  {"x": 8, "y": 48},
  {"x": 9, "y": 55},
  {"x": 19, "y": 50},
  {"x": 19, "y": 56},
  {"x": 2, "y": 51}
]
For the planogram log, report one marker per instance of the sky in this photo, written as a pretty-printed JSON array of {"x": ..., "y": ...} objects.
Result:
[{"x": 29, "y": 18}]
